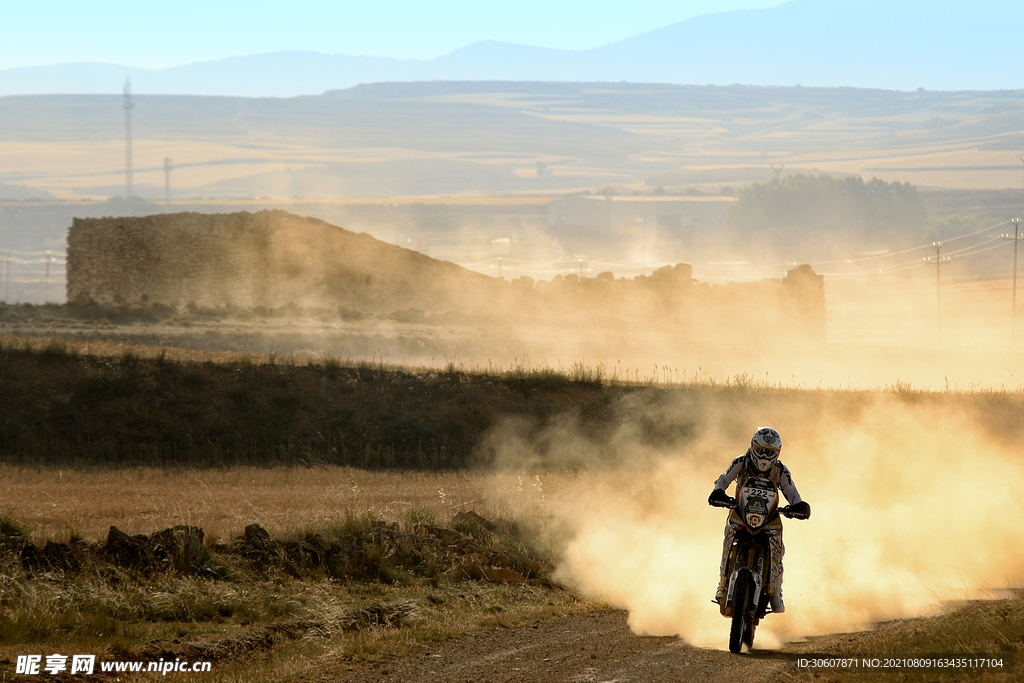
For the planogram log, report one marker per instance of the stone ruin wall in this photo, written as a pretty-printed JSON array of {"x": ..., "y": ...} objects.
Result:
[
  {"x": 267, "y": 259},
  {"x": 161, "y": 259},
  {"x": 271, "y": 259}
]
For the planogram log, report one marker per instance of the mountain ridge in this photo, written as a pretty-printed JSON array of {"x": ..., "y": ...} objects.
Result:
[{"x": 826, "y": 43}]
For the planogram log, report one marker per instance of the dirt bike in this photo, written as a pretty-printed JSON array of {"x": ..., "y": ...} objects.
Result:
[{"x": 756, "y": 519}]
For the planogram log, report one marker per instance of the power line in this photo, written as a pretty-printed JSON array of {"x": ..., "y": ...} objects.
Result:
[
  {"x": 41, "y": 252},
  {"x": 908, "y": 265},
  {"x": 557, "y": 264},
  {"x": 560, "y": 265},
  {"x": 978, "y": 251},
  {"x": 862, "y": 259},
  {"x": 976, "y": 232},
  {"x": 962, "y": 250},
  {"x": 911, "y": 265},
  {"x": 24, "y": 261}
]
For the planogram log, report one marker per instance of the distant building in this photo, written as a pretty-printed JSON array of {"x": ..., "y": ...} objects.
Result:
[{"x": 683, "y": 221}]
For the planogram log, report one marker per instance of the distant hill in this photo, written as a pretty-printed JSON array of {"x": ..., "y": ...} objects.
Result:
[
  {"x": 939, "y": 44},
  {"x": 447, "y": 137}
]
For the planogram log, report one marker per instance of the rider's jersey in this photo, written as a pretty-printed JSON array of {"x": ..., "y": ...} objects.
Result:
[{"x": 778, "y": 473}]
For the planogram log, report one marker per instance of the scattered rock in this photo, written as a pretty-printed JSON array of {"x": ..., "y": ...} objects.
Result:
[
  {"x": 262, "y": 551},
  {"x": 305, "y": 553},
  {"x": 445, "y": 535},
  {"x": 470, "y": 518},
  {"x": 31, "y": 555},
  {"x": 179, "y": 548},
  {"x": 501, "y": 575},
  {"x": 430, "y": 551},
  {"x": 347, "y": 558},
  {"x": 127, "y": 551},
  {"x": 62, "y": 556},
  {"x": 470, "y": 567},
  {"x": 255, "y": 539}
]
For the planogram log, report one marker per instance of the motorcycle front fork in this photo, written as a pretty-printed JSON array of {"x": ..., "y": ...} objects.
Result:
[{"x": 761, "y": 565}]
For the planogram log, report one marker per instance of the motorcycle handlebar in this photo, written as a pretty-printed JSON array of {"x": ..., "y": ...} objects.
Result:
[{"x": 784, "y": 511}]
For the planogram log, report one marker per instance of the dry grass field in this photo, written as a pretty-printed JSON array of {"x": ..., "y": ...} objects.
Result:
[
  {"x": 599, "y": 478},
  {"x": 58, "y": 503},
  {"x": 257, "y": 621},
  {"x": 270, "y": 624}
]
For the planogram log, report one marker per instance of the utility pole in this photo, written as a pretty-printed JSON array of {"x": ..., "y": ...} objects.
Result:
[
  {"x": 1016, "y": 238},
  {"x": 7, "y": 267},
  {"x": 1013, "y": 314},
  {"x": 938, "y": 260},
  {"x": 167, "y": 180},
  {"x": 46, "y": 280},
  {"x": 127, "y": 139}
]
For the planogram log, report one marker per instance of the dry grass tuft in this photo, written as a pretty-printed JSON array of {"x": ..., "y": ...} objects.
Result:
[{"x": 250, "y": 617}]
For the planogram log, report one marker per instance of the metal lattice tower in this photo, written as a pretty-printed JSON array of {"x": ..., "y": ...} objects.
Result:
[{"x": 127, "y": 139}]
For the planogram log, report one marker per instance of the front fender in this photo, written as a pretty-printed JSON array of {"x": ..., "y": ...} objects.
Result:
[{"x": 755, "y": 576}]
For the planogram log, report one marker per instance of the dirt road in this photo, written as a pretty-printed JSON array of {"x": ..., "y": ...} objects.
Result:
[{"x": 593, "y": 648}]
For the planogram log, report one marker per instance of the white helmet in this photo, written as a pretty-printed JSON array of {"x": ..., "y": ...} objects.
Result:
[{"x": 764, "y": 448}]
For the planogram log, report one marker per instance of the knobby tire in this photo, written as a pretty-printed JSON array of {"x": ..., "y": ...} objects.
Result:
[
  {"x": 740, "y": 612},
  {"x": 748, "y": 633}
]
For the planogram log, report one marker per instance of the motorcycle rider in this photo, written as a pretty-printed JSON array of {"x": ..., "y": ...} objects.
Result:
[{"x": 760, "y": 460}]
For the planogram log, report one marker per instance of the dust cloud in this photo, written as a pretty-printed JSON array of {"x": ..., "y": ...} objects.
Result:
[
  {"x": 288, "y": 284},
  {"x": 912, "y": 506}
]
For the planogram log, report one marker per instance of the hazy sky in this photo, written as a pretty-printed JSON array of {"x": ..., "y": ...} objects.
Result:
[{"x": 162, "y": 33}]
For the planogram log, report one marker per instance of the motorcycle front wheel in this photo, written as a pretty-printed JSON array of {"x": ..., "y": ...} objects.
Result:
[
  {"x": 748, "y": 633},
  {"x": 740, "y": 613}
]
